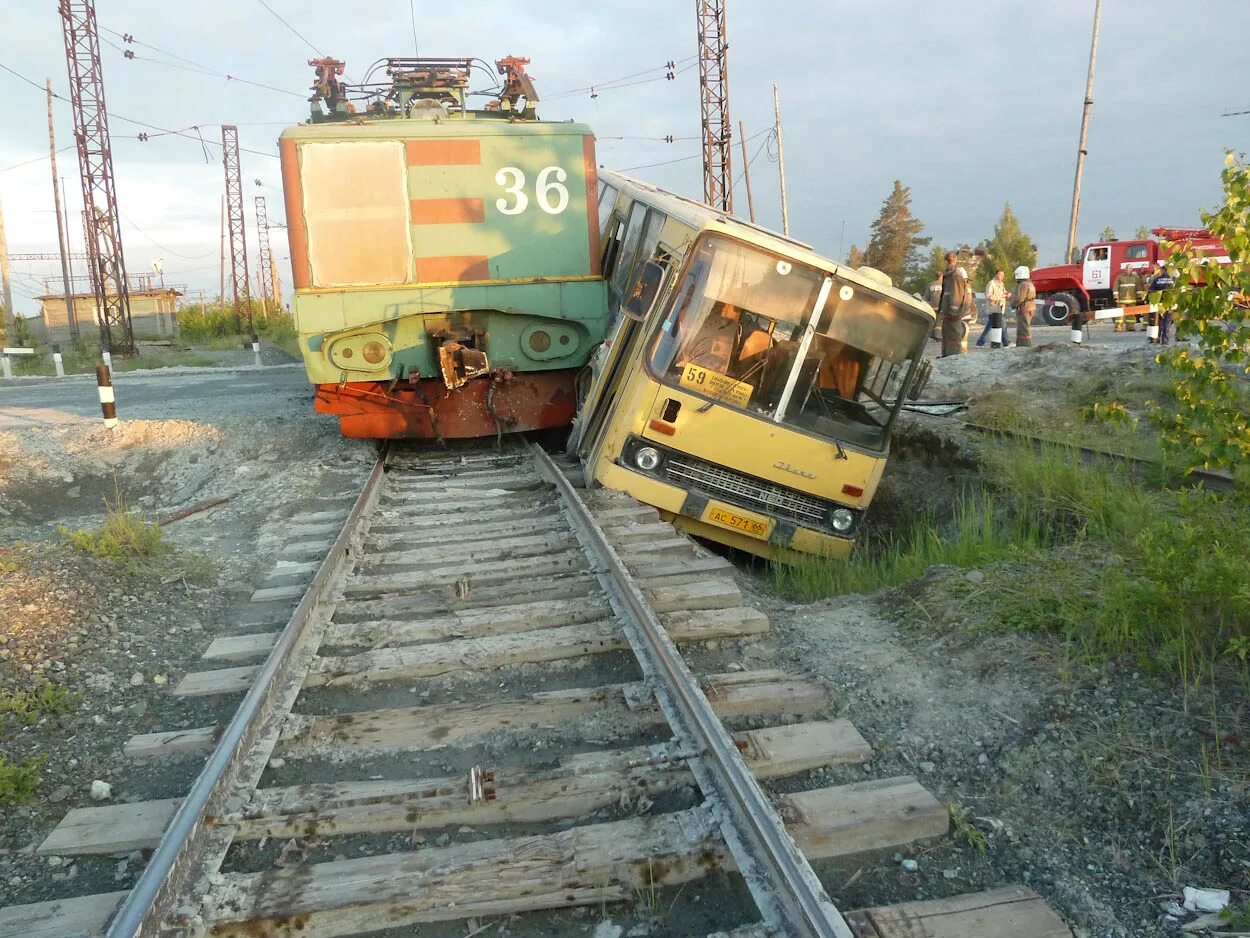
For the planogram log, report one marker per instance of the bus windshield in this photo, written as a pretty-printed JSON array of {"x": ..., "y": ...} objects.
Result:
[{"x": 765, "y": 334}]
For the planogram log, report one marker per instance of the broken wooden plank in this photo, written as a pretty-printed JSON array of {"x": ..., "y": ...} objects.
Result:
[
  {"x": 113, "y": 828},
  {"x": 1012, "y": 910},
  {"x": 81, "y": 917},
  {"x": 580, "y": 866},
  {"x": 580, "y": 785},
  {"x": 219, "y": 681},
  {"x": 494, "y": 620},
  {"x": 201, "y": 739},
  {"x": 731, "y": 695},
  {"x": 512, "y": 648},
  {"x": 240, "y": 647}
]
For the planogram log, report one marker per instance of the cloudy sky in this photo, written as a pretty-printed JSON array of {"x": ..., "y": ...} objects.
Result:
[{"x": 970, "y": 109}]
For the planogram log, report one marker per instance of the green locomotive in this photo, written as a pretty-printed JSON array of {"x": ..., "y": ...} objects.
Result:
[{"x": 446, "y": 259}]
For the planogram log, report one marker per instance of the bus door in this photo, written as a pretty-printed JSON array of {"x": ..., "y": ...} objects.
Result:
[{"x": 609, "y": 383}]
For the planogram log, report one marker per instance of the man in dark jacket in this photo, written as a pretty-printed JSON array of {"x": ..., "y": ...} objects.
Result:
[{"x": 1161, "y": 281}]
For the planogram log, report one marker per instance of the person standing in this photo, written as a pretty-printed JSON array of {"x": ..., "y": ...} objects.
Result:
[
  {"x": 968, "y": 312},
  {"x": 995, "y": 301},
  {"x": 1128, "y": 289},
  {"x": 1161, "y": 281},
  {"x": 952, "y": 300},
  {"x": 1024, "y": 301}
]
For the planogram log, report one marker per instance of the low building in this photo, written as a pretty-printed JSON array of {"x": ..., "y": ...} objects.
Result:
[{"x": 151, "y": 313}]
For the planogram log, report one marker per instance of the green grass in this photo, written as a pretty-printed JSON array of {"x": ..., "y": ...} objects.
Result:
[
  {"x": 46, "y": 699},
  {"x": 1119, "y": 568},
  {"x": 18, "y": 780},
  {"x": 124, "y": 537}
]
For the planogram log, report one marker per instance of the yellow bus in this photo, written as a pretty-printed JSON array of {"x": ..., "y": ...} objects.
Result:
[{"x": 747, "y": 387}]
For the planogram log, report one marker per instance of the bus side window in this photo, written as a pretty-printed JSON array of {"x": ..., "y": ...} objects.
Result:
[
  {"x": 629, "y": 249},
  {"x": 612, "y": 246}
]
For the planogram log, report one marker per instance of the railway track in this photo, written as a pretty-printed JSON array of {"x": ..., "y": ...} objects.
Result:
[{"x": 478, "y": 710}]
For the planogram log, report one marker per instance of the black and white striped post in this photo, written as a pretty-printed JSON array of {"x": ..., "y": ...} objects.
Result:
[
  {"x": 108, "y": 405},
  {"x": 256, "y": 348},
  {"x": 58, "y": 361},
  {"x": 996, "y": 327},
  {"x": 108, "y": 359},
  {"x": 1074, "y": 323},
  {"x": 5, "y": 366},
  {"x": 1152, "y": 330}
]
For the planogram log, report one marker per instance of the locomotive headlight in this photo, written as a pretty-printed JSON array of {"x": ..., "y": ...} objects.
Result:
[
  {"x": 374, "y": 352},
  {"x": 842, "y": 520},
  {"x": 647, "y": 458}
]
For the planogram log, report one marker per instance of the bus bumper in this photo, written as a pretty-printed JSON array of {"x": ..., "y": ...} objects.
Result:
[{"x": 671, "y": 501}]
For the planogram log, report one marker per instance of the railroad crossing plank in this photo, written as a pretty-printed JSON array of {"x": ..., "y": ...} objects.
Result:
[
  {"x": 496, "y": 651},
  {"x": 495, "y": 620},
  {"x": 474, "y": 552},
  {"x": 404, "y": 538},
  {"x": 710, "y": 594},
  {"x": 114, "y": 828},
  {"x": 82, "y": 917},
  {"x": 240, "y": 647},
  {"x": 270, "y": 594},
  {"x": 623, "y": 534},
  {"x": 580, "y": 866},
  {"x": 459, "y": 593},
  {"x": 580, "y": 785},
  {"x": 220, "y": 681},
  {"x": 503, "y": 571},
  {"x": 735, "y": 694},
  {"x": 1012, "y": 910},
  {"x": 174, "y": 743}
]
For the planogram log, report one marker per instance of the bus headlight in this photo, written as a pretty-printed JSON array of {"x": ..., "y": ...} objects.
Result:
[
  {"x": 842, "y": 520},
  {"x": 646, "y": 458}
]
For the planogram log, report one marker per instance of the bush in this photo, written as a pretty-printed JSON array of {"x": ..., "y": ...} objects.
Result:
[
  {"x": 46, "y": 699},
  {"x": 124, "y": 536},
  {"x": 217, "y": 321},
  {"x": 18, "y": 780}
]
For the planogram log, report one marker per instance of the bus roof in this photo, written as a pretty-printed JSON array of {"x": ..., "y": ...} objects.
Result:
[{"x": 699, "y": 215}]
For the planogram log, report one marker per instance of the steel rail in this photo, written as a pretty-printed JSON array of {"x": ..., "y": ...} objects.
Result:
[
  {"x": 790, "y": 897},
  {"x": 1214, "y": 479},
  {"x": 165, "y": 878}
]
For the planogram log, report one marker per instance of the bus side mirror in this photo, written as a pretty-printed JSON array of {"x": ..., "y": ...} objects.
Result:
[
  {"x": 646, "y": 288},
  {"x": 923, "y": 373}
]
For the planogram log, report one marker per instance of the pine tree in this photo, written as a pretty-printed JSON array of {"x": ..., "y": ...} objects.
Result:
[
  {"x": 1142, "y": 233},
  {"x": 855, "y": 259},
  {"x": 895, "y": 242},
  {"x": 927, "y": 271},
  {"x": 1108, "y": 234},
  {"x": 1009, "y": 248}
]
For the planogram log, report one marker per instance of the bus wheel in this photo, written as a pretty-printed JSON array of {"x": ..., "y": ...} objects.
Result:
[{"x": 1056, "y": 314}]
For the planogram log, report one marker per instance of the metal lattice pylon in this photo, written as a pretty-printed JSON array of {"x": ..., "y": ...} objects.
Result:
[
  {"x": 714, "y": 105},
  {"x": 263, "y": 262},
  {"x": 234, "y": 223},
  {"x": 107, "y": 265}
]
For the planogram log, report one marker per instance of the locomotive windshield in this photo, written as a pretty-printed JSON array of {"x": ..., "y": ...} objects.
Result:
[{"x": 743, "y": 329}]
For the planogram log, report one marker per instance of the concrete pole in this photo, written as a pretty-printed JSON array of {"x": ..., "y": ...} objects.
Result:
[
  {"x": 70, "y": 318},
  {"x": 9, "y": 320},
  {"x": 781, "y": 162},
  {"x": 1080, "y": 152}
]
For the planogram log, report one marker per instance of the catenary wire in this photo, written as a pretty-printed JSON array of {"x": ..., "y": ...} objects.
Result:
[{"x": 291, "y": 28}]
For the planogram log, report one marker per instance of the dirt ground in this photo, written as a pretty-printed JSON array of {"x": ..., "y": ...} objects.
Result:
[
  {"x": 116, "y": 640},
  {"x": 1105, "y": 789}
]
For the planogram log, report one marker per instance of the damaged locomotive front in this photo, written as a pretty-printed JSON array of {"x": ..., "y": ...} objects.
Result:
[{"x": 445, "y": 259}]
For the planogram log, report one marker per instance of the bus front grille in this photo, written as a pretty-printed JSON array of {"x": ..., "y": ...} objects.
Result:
[{"x": 746, "y": 491}]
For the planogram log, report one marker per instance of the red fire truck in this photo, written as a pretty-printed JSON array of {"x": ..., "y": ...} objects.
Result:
[{"x": 1089, "y": 284}]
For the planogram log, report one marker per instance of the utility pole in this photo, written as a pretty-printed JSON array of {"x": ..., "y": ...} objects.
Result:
[
  {"x": 1080, "y": 152},
  {"x": 70, "y": 318},
  {"x": 234, "y": 222},
  {"x": 265, "y": 272},
  {"x": 781, "y": 162},
  {"x": 276, "y": 278},
  {"x": 95, "y": 163},
  {"x": 221, "y": 270},
  {"x": 746, "y": 169},
  {"x": 714, "y": 105},
  {"x": 5, "y": 284}
]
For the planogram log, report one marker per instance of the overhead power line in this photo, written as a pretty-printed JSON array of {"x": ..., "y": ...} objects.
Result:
[
  {"x": 291, "y": 28},
  {"x": 694, "y": 156},
  {"x": 669, "y": 70}
]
